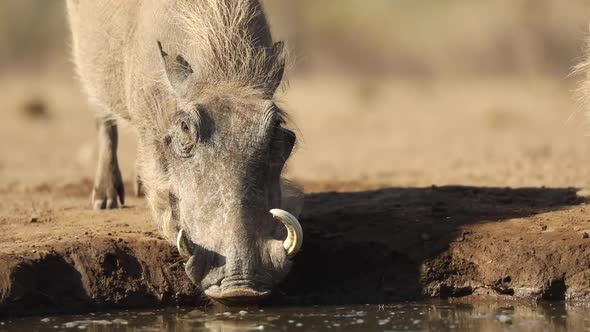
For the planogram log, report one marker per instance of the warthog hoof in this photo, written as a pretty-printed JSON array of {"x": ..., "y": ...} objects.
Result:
[
  {"x": 138, "y": 187},
  {"x": 108, "y": 192}
]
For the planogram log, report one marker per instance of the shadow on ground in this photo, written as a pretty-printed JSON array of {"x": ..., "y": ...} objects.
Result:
[{"x": 372, "y": 247}]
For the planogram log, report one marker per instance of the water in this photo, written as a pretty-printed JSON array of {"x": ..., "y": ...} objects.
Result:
[{"x": 413, "y": 316}]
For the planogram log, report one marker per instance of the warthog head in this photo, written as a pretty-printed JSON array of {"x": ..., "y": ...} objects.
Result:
[{"x": 213, "y": 178}]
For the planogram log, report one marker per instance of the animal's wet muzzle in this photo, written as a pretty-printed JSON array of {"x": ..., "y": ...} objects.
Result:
[{"x": 237, "y": 294}]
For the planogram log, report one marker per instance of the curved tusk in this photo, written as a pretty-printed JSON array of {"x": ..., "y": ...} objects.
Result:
[
  {"x": 294, "y": 239},
  {"x": 183, "y": 245}
]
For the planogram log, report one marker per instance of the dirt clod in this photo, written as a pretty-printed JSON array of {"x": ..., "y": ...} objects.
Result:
[{"x": 36, "y": 108}]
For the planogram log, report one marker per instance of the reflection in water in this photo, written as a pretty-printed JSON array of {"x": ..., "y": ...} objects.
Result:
[{"x": 412, "y": 316}]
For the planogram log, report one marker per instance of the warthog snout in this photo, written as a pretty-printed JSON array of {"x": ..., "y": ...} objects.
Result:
[
  {"x": 292, "y": 243},
  {"x": 245, "y": 274}
]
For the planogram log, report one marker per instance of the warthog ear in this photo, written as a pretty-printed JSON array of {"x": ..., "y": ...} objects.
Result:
[
  {"x": 177, "y": 70},
  {"x": 276, "y": 64}
]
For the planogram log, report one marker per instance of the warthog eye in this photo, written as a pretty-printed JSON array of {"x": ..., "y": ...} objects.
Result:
[
  {"x": 185, "y": 136},
  {"x": 287, "y": 140},
  {"x": 184, "y": 127}
]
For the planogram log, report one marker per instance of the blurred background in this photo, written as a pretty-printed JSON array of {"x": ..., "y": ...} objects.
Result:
[
  {"x": 381, "y": 92},
  {"x": 422, "y": 39}
]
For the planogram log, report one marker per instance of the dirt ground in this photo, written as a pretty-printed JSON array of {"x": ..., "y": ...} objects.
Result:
[{"x": 436, "y": 188}]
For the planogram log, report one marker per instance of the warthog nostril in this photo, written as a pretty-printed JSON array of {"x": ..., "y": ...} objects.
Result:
[{"x": 229, "y": 283}]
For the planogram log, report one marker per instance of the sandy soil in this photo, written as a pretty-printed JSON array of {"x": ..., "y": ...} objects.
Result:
[{"x": 438, "y": 188}]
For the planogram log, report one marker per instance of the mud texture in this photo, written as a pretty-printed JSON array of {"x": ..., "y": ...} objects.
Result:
[{"x": 361, "y": 245}]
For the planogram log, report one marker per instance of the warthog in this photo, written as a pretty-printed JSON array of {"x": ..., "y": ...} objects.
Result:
[
  {"x": 196, "y": 81},
  {"x": 583, "y": 69}
]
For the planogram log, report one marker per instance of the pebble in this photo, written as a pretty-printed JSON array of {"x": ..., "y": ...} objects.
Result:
[
  {"x": 120, "y": 321},
  {"x": 382, "y": 322},
  {"x": 243, "y": 312},
  {"x": 299, "y": 325},
  {"x": 504, "y": 319},
  {"x": 195, "y": 312},
  {"x": 45, "y": 320}
]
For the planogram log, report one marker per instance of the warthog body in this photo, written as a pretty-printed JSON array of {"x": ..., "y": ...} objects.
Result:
[
  {"x": 196, "y": 80},
  {"x": 583, "y": 68}
]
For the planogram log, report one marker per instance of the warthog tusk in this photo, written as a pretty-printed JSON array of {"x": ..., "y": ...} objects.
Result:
[
  {"x": 294, "y": 239},
  {"x": 183, "y": 244}
]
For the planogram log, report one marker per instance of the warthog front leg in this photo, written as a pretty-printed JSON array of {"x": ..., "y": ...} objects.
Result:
[
  {"x": 137, "y": 184},
  {"x": 108, "y": 183}
]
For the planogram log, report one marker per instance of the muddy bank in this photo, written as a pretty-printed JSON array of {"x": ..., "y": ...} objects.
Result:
[
  {"x": 372, "y": 246},
  {"x": 397, "y": 244}
]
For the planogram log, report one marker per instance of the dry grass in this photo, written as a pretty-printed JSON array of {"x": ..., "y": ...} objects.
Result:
[
  {"x": 33, "y": 35},
  {"x": 452, "y": 37},
  {"x": 405, "y": 37}
]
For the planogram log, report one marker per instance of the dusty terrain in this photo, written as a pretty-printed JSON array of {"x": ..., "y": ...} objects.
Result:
[{"x": 415, "y": 188}]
